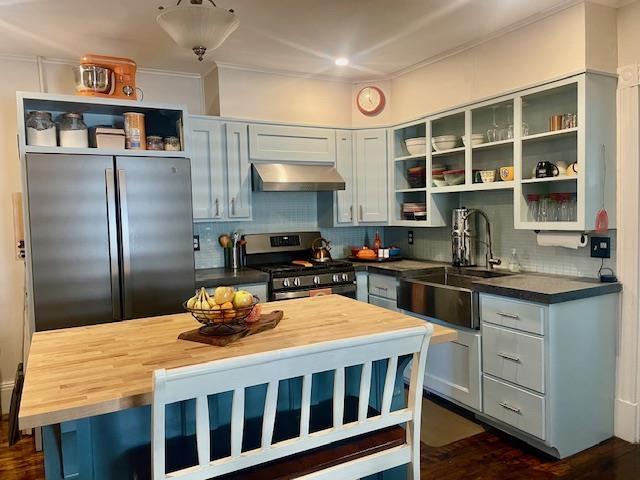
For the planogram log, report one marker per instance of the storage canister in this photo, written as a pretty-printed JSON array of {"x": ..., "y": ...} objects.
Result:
[
  {"x": 73, "y": 131},
  {"x": 134, "y": 131},
  {"x": 41, "y": 130}
]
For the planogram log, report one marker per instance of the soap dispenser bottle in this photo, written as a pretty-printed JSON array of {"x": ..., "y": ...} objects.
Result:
[{"x": 514, "y": 263}]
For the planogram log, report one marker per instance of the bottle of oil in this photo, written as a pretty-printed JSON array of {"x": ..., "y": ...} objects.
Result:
[{"x": 377, "y": 243}]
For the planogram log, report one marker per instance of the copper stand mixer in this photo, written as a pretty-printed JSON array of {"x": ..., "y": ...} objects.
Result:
[{"x": 107, "y": 77}]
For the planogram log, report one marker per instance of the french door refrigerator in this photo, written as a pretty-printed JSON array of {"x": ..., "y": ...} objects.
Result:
[{"x": 111, "y": 238}]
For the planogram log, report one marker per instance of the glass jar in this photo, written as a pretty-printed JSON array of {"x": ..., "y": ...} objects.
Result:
[
  {"x": 155, "y": 143},
  {"x": 172, "y": 144},
  {"x": 564, "y": 208},
  {"x": 533, "y": 202},
  {"x": 73, "y": 131},
  {"x": 41, "y": 130}
]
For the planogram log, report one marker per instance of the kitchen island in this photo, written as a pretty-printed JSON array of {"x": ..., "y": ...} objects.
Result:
[{"x": 90, "y": 387}]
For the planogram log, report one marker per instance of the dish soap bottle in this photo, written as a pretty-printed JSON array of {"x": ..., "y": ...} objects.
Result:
[
  {"x": 514, "y": 263},
  {"x": 377, "y": 243}
]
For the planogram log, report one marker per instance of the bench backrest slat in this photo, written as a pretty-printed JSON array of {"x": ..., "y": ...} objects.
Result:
[{"x": 236, "y": 374}]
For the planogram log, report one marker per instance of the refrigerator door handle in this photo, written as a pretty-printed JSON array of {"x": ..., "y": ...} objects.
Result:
[
  {"x": 126, "y": 250},
  {"x": 112, "y": 225}
]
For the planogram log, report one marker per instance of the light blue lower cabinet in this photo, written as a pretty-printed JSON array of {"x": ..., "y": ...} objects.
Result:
[
  {"x": 548, "y": 370},
  {"x": 117, "y": 445}
]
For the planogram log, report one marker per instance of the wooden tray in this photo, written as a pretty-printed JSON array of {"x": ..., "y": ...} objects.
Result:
[
  {"x": 375, "y": 260},
  {"x": 267, "y": 321}
]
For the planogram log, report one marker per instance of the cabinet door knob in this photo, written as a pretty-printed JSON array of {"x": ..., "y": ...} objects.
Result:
[
  {"x": 217, "y": 208},
  {"x": 351, "y": 213},
  {"x": 361, "y": 214},
  {"x": 233, "y": 206}
]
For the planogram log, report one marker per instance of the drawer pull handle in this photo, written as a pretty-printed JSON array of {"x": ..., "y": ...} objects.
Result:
[
  {"x": 509, "y": 315},
  {"x": 382, "y": 288},
  {"x": 506, "y": 356},
  {"x": 509, "y": 407}
]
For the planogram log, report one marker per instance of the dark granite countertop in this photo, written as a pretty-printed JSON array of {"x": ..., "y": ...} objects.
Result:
[
  {"x": 542, "y": 288},
  {"x": 396, "y": 268},
  {"x": 213, "y": 277},
  {"x": 532, "y": 287}
]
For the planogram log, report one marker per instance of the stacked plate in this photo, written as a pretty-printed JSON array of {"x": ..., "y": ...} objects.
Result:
[
  {"x": 444, "y": 142},
  {"x": 414, "y": 211}
]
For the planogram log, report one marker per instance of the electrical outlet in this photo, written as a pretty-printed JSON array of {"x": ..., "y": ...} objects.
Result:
[
  {"x": 410, "y": 237},
  {"x": 600, "y": 247},
  {"x": 196, "y": 243}
]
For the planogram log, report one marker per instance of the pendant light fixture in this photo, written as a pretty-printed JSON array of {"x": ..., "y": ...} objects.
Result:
[{"x": 197, "y": 25}]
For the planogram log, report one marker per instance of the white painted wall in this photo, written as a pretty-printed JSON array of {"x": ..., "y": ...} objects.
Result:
[
  {"x": 21, "y": 74},
  {"x": 548, "y": 48},
  {"x": 282, "y": 97},
  {"x": 629, "y": 34}
]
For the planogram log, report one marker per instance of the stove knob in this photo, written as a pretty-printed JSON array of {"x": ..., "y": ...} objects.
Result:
[
  {"x": 316, "y": 280},
  {"x": 286, "y": 282},
  {"x": 335, "y": 278},
  {"x": 345, "y": 277},
  {"x": 296, "y": 282}
]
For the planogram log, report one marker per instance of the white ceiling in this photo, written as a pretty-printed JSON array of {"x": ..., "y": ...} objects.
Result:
[{"x": 379, "y": 36}]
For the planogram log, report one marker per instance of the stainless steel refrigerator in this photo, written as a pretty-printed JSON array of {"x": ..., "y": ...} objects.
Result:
[{"x": 111, "y": 238}]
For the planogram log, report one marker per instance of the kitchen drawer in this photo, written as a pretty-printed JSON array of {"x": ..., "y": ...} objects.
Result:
[
  {"x": 383, "y": 286},
  {"x": 513, "y": 356},
  {"x": 525, "y": 316},
  {"x": 514, "y": 406},
  {"x": 383, "y": 302}
]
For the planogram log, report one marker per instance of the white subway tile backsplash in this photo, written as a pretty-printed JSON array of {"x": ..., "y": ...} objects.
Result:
[
  {"x": 435, "y": 243},
  {"x": 278, "y": 212}
]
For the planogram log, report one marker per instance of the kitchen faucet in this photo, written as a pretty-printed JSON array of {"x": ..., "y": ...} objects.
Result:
[{"x": 491, "y": 261}]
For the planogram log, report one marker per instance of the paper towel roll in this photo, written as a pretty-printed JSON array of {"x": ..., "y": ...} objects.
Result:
[{"x": 562, "y": 239}]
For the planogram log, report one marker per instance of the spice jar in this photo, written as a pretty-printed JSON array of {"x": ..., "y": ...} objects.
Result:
[
  {"x": 41, "y": 130},
  {"x": 154, "y": 142},
  {"x": 172, "y": 144},
  {"x": 73, "y": 131}
]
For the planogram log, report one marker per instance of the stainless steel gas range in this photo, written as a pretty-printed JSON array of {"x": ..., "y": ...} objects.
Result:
[{"x": 275, "y": 253}]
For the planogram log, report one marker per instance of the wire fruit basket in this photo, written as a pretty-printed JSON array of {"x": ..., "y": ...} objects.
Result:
[{"x": 222, "y": 322}]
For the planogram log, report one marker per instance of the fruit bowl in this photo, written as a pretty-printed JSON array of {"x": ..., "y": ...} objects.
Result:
[{"x": 222, "y": 319}]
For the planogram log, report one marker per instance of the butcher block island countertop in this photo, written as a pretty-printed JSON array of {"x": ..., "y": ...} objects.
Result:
[{"x": 86, "y": 371}]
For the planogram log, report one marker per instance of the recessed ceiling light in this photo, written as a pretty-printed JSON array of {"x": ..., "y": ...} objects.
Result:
[{"x": 342, "y": 61}]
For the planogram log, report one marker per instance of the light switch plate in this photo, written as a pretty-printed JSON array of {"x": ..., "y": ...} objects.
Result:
[{"x": 600, "y": 247}]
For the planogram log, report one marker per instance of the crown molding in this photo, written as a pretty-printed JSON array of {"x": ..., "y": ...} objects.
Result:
[{"x": 72, "y": 63}]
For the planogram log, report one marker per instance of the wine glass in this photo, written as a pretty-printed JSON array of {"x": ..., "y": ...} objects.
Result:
[{"x": 494, "y": 132}]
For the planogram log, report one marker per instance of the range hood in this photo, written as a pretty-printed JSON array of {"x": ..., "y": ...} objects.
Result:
[{"x": 280, "y": 177}]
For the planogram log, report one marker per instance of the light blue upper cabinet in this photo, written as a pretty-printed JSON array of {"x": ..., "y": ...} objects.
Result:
[
  {"x": 345, "y": 199},
  {"x": 283, "y": 143},
  {"x": 238, "y": 172},
  {"x": 371, "y": 165},
  {"x": 207, "y": 168}
]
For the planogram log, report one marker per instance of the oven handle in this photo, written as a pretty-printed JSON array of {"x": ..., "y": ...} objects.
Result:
[{"x": 338, "y": 289}]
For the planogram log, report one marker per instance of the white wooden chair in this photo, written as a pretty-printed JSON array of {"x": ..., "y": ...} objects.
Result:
[{"x": 235, "y": 374}]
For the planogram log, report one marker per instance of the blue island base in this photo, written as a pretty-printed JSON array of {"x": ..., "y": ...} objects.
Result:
[{"x": 116, "y": 446}]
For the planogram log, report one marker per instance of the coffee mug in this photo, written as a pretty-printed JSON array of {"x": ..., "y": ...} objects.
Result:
[
  {"x": 506, "y": 174},
  {"x": 546, "y": 169},
  {"x": 572, "y": 170}
]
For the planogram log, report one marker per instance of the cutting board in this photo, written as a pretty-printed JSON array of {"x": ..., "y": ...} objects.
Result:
[{"x": 267, "y": 321}]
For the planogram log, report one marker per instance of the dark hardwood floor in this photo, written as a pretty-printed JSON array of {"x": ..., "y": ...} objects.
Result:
[{"x": 487, "y": 456}]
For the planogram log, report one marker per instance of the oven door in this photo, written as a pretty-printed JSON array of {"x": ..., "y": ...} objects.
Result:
[{"x": 348, "y": 290}]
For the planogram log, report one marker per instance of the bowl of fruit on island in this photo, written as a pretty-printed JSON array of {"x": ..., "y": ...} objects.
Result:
[{"x": 227, "y": 311}]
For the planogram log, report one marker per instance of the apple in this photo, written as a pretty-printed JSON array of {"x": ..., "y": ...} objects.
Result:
[
  {"x": 242, "y": 299},
  {"x": 223, "y": 295}
]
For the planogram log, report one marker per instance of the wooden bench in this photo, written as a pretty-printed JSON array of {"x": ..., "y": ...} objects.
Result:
[{"x": 355, "y": 442}]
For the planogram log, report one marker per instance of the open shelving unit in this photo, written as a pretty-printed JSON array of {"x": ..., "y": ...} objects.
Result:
[
  {"x": 525, "y": 138},
  {"x": 160, "y": 119}
]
